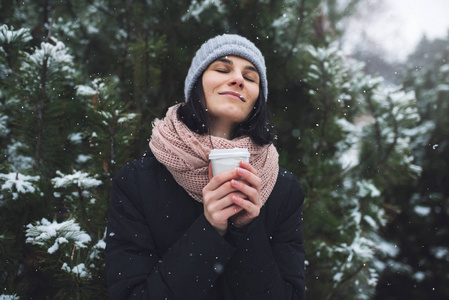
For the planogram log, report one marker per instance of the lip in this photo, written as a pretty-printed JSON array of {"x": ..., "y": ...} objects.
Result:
[{"x": 233, "y": 94}]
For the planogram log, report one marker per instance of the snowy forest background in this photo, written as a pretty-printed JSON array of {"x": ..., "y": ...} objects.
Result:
[{"x": 81, "y": 82}]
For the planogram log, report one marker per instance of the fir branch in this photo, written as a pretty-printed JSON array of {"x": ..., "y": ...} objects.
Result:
[
  {"x": 376, "y": 123},
  {"x": 392, "y": 146},
  {"x": 40, "y": 115},
  {"x": 344, "y": 280},
  {"x": 49, "y": 39},
  {"x": 325, "y": 102},
  {"x": 297, "y": 32},
  {"x": 101, "y": 9},
  {"x": 112, "y": 133}
]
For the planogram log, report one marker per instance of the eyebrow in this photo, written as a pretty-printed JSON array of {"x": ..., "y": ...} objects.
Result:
[{"x": 229, "y": 62}]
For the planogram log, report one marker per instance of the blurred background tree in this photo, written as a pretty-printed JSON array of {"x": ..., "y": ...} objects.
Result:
[
  {"x": 82, "y": 81},
  {"x": 418, "y": 268}
]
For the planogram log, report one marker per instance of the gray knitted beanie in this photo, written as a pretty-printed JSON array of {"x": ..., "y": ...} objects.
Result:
[{"x": 222, "y": 45}]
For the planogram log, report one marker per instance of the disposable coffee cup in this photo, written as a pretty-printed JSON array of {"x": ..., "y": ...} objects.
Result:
[{"x": 227, "y": 159}]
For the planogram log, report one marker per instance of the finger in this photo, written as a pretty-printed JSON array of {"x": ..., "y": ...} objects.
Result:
[
  {"x": 250, "y": 178},
  {"x": 222, "y": 215},
  {"x": 251, "y": 209},
  {"x": 231, "y": 210},
  {"x": 219, "y": 204},
  {"x": 221, "y": 178},
  {"x": 246, "y": 165},
  {"x": 219, "y": 193},
  {"x": 239, "y": 194},
  {"x": 251, "y": 192},
  {"x": 210, "y": 171}
]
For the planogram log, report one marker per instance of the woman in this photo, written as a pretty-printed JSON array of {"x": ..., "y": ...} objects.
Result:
[{"x": 177, "y": 232}]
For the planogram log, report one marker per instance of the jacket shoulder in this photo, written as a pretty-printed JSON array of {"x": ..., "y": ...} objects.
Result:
[
  {"x": 138, "y": 178},
  {"x": 143, "y": 165},
  {"x": 287, "y": 191},
  {"x": 287, "y": 179}
]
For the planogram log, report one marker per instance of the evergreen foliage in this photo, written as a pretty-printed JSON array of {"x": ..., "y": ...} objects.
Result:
[
  {"x": 82, "y": 81},
  {"x": 419, "y": 262}
]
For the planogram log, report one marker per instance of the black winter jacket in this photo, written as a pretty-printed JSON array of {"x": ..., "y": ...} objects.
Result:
[{"x": 160, "y": 245}]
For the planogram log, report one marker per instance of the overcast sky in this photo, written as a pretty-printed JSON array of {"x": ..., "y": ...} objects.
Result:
[{"x": 398, "y": 25}]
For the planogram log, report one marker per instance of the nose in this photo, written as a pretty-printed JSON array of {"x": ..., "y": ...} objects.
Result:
[{"x": 237, "y": 79}]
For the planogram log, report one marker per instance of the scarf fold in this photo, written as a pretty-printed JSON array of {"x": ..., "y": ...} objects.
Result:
[{"x": 186, "y": 155}]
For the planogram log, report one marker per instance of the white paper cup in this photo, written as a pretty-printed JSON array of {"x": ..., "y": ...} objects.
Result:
[{"x": 227, "y": 159}]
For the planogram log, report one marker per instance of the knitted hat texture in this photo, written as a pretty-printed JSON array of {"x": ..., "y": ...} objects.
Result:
[{"x": 222, "y": 45}]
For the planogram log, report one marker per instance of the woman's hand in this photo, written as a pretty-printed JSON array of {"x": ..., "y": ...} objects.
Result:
[
  {"x": 233, "y": 195},
  {"x": 217, "y": 196},
  {"x": 251, "y": 203}
]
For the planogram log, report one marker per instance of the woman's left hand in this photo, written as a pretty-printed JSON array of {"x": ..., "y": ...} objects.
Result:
[{"x": 250, "y": 186}]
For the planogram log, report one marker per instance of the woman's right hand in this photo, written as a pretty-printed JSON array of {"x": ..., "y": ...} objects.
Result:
[{"x": 217, "y": 195}]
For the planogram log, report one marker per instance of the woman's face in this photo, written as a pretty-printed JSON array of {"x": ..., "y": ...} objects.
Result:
[{"x": 231, "y": 88}]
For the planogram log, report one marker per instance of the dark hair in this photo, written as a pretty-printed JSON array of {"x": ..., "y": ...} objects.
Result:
[{"x": 257, "y": 126}]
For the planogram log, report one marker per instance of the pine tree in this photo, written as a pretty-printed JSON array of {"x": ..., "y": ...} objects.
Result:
[
  {"x": 347, "y": 113},
  {"x": 418, "y": 266},
  {"x": 47, "y": 117},
  {"x": 81, "y": 82}
]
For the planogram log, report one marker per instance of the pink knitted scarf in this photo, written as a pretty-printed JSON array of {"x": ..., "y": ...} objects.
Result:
[{"x": 186, "y": 155}]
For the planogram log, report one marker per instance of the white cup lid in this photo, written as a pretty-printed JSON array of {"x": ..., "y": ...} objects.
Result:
[{"x": 225, "y": 153}]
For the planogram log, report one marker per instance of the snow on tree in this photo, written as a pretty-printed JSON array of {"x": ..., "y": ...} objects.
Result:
[
  {"x": 4, "y": 130},
  {"x": 16, "y": 183},
  {"x": 42, "y": 135},
  {"x": 356, "y": 146},
  {"x": 109, "y": 122},
  {"x": 81, "y": 82},
  {"x": 80, "y": 179},
  {"x": 9, "y": 297},
  {"x": 197, "y": 8},
  {"x": 71, "y": 254},
  {"x": 420, "y": 262},
  {"x": 51, "y": 235}
]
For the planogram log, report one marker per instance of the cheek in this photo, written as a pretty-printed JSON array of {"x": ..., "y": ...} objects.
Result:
[
  {"x": 208, "y": 86},
  {"x": 206, "y": 91},
  {"x": 254, "y": 93}
]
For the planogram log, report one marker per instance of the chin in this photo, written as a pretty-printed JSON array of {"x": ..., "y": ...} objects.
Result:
[{"x": 235, "y": 116}]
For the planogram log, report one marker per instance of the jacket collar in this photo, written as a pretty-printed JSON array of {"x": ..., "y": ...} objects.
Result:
[{"x": 148, "y": 153}]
